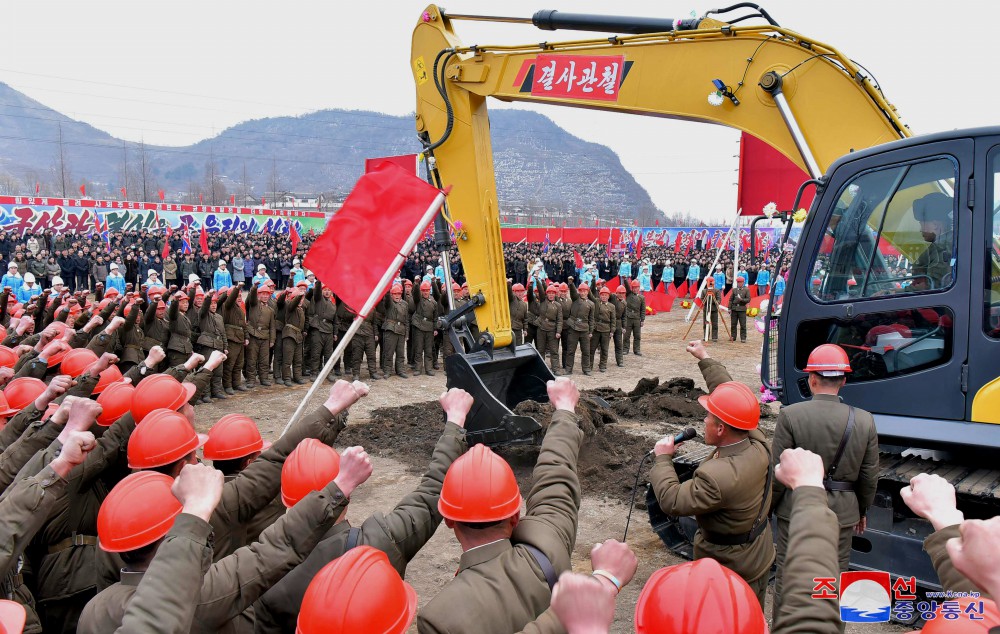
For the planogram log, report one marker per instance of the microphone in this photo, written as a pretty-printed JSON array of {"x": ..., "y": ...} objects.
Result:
[{"x": 687, "y": 434}]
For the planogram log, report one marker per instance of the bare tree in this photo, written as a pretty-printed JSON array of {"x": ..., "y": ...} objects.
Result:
[
  {"x": 61, "y": 168},
  {"x": 143, "y": 175},
  {"x": 275, "y": 182},
  {"x": 125, "y": 174},
  {"x": 9, "y": 185},
  {"x": 215, "y": 189}
]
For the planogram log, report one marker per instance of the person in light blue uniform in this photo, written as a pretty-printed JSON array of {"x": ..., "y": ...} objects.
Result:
[
  {"x": 428, "y": 275},
  {"x": 763, "y": 281},
  {"x": 588, "y": 274},
  {"x": 297, "y": 273},
  {"x": 646, "y": 276},
  {"x": 720, "y": 278},
  {"x": 779, "y": 286},
  {"x": 743, "y": 273},
  {"x": 222, "y": 278},
  {"x": 261, "y": 276},
  {"x": 12, "y": 279},
  {"x": 115, "y": 279},
  {"x": 29, "y": 289},
  {"x": 667, "y": 277},
  {"x": 694, "y": 276},
  {"x": 439, "y": 273},
  {"x": 625, "y": 271}
]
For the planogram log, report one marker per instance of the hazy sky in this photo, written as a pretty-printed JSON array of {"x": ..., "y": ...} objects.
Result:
[{"x": 175, "y": 72}]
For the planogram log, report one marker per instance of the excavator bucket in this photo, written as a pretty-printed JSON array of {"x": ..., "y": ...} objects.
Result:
[{"x": 498, "y": 383}]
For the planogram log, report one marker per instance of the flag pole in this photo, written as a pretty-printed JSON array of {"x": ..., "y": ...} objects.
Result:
[
  {"x": 718, "y": 254},
  {"x": 376, "y": 294}
]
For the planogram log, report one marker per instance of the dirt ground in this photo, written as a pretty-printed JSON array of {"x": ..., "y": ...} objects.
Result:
[{"x": 399, "y": 422}]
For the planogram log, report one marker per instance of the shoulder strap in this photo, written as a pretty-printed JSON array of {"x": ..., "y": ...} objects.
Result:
[
  {"x": 543, "y": 562},
  {"x": 843, "y": 444},
  {"x": 353, "y": 537},
  {"x": 762, "y": 512}
]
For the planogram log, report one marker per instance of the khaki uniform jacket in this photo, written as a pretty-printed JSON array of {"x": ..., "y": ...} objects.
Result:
[
  {"x": 499, "y": 586},
  {"x": 604, "y": 317},
  {"x": 212, "y": 329},
  {"x": 260, "y": 319},
  {"x": 581, "y": 312},
  {"x": 323, "y": 317},
  {"x": 255, "y": 487},
  {"x": 345, "y": 316},
  {"x": 165, "y": 600},
  {"x": 180, "y": 329},
  {"x": 950, "y": 578},
  {"x": 740, "y": 299},
  {"x": 35, "y": 438},
  {"x": 818, "y": 425},
  {"x": 233, "y": 318},
  {"x": 635, "y": 305},
  {"x": 425, "y": 311},
  {"x": 400, "y": 534},
  {"x": 531, "y": 317},
  {"x": 725, "y": 495},
  {"x": 233, "y": 584},
  {"x": 619, "y": 312},
  {"x": 550, "y": 315},
  {"x": 295, "y": 319},
  {"x": 812, "y": 552},
  {"x": 397, "y": 315}
]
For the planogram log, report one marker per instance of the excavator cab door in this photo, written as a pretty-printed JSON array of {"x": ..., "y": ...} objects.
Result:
[{"x": 883, "y": 271}]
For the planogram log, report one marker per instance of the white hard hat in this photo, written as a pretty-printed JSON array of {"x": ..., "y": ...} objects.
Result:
[
  {"x": 29, "y": 278},
  {"x": 295, "y": 261},
  {"x": 113, "y": 267},
  {"x": 12, "y": 265},
  {"x": 222, "y": 262},
  {"x": 151, "y": 272},
  {"x": 193, "y": 278},
  {"x": 261, "y": 267},
  {"x": 57, "y": 281}
]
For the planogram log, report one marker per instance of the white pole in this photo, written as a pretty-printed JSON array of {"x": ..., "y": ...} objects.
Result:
[
  {"x": 711, "y": 269},
  {"x": 376, "y": 294},
  {"x": 736, "y": 247}
]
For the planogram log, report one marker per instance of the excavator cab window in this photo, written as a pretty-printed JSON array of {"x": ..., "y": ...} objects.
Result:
[
  {"x": 991, "y": 318},
  {"x": 892, "y": 232}
]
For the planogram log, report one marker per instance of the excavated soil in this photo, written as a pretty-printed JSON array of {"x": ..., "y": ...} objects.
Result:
[{"x": 617, "y": 436}]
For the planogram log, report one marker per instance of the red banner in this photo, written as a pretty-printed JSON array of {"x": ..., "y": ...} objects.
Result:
[
  {"x": 768, "y": 176},
  {"x": 578, "y": 76},
  {"x": 406, "y": 161},
  {"x": 45, "y": 201}
]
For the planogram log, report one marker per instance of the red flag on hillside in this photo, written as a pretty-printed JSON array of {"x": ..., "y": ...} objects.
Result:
[
  {"x": 83, "y": 190},
  {"x": 38, "y": 188},
  {"x": 166, "y": 243},
  {"x": 362, "y": 240},
  {"x": 232, "y": 199},
  {"x": 203, "y": 239},
  {"x": 293, "y": 237},
  {"x": 124, "y": 193},
  {"x": 201, "y": 199},
  {"x": 162, "y": 194},
  {"x": 577, "y": 259}
]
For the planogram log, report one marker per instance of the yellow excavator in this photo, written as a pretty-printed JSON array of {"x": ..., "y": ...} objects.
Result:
[{"x": 897, "y": 260}]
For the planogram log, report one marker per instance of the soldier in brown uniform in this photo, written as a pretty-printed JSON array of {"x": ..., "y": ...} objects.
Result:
[
  {"x": 619, "y": 300},
  {"x": 178, "y": 327},
  {"x": 322, "y": 328},
  {"x": 565, "y": 304},
  {"x": 156, "y": 331},
  {"x": 344, "y": 318},
  {"x": 234, "y": 318},
  {"x": 738, "y": 303},
  {"x": 844, "y": 437},
  {"x": 509, "y": 563},
  {"x": 425, "y": 313},
  {"x": 400, "y": 534},
  {"x": 518, "y": 311},
  {"x": 291, "y": 338},
  {"x": 279, "y": 328},
  {"x": 581, "y": 327},
  {"x": 260, "y": 334},
  {"x": 212, "y": 338},
  {"x": 604, "y": 323},
  {"x": 363, "y": 346},
  {"x": 635, "y": 317},
  {"x": 550, "y": 325},
  {"x": 730, "y": 493},
  {"x": 394, "y": 329}
]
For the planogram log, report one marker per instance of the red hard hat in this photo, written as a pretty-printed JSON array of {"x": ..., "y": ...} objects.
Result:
[
  {"x": 310, "y": 467},
  {"x": 59, "y": 355},
  {"x": 164, "y": 436},
  {"x": 621, "y": 289},
  {"x": 709, "y": 282},
  {"x": 8, "y": 358},
  {"x": 518, "y": 288},
  {"x": 116, "y": 401},
  {"x": 396, "y": 288},
  {"x": 12, "y": 617},
  {"x": 852, "y": 282},
  {"x": 734, "y": 404},
  {"x": 465, "y": 285},
  {"x": 5, "y": 408},
  {"x": 234, "y": 436},
  {"x": 406, "y": 283},
  {"x": 425, "y": 286},
  {"x": 22, "y": 391},
  {"x": 137, "y": 512},
  {"x": 634, "y": 283},
  {"x": 17, "y": 313},
  {"x": 604, "y": 291},
  {"x": 584, "y": 288},
  {"x": 160, "y": 391},
  {"x": 698, "y": 596},
  {"x": 76, "y": 361},
  {"x": 104, "y": 303},
  {"x": 160, "y": 305},
  {"x": 111, "y": 375},
  {"x": 964, "y": 624},
  {"x": 739, "y": 278},
  {"x": 357, "y": 592},
  {"x": 479, "y": 487},
  {"x": 200, "y": 293},
  {"x": 111, "y": 292},
  {"x": 60, "y": 328},
  {"x": 3, "y": 333},
  {"x": 563, "y": 286},
  {"x": 816, "y": 281},
  {"x": 828, "y": 359},
  {"x": 455, "y": 287}
]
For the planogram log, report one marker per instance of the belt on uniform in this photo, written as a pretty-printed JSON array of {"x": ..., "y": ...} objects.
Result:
[
  {"x": 74, "y": 540},
  {"x": 737, "y": 539},
  {"x": 837, "y": 485}
]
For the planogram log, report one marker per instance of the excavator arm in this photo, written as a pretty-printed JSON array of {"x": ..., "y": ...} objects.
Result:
[{"x": 773, "y": 74}]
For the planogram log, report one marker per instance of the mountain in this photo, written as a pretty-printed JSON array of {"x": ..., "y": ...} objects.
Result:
[{"x": 538, "y": 164}]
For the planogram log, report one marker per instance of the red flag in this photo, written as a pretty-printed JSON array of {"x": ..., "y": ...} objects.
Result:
[
  {"x": 83, "y": 190},
  {"x": 678, "y": 241},
  {"x": 201, "y": 199},
  {"x": 38, "y": 188},
  {"x": 293, "y": 237},
  {"x": 232, "y": 199},
  {"x": 203, "y": 239},
  {"x": 577, "y": 259},
  {"x": 682, "y": 290},
  {"x": 97, "y": 221},
  {"x": 124, "y": 193},
  {"x": 362, "y": 240},
  {"x": 161, "y": 194},
  {"x": 166, "y": 243},
  {"x": 613, "y": 283},
  {"x": 263, "y": 201},
  {"x": 638, "y": 246}
]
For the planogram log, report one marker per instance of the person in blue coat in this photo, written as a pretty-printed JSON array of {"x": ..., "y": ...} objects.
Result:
[
  {"x": 779, "y": 287},
  {"x": 763, "y": 281},
  {"x": 694, "y": 276},
  {"x": 297, "y": 273},
  {"x": 667, "y": 277},
  {"x": 625, "y": 271},
  {"x": 115, "y": 279},
  {"x": 645, "y": 276},
  {"x": 261, "y": 276},
  {"x": 222, "y": 278},
  {"x": 12, "y": 279},
  {"x": 720, "y": 278},
  {"x": 29, "y": 289}
]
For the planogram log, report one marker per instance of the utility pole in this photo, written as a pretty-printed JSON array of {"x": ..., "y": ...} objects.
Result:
[
  {"x": 62, "y": 162},
  {"x": 124, "y": 165}
]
